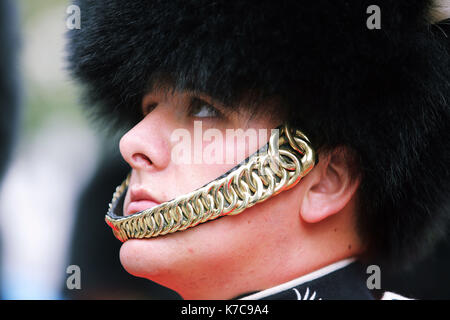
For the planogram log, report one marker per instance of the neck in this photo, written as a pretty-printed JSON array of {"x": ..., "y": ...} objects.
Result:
[
  {"x": 293, "y": 249},
  {"x": 272, "y": 270}
]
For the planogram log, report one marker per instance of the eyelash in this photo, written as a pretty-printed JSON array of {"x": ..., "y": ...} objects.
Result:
[
  {"x": 148, "y": 108},
  {"x": 197, "y": 104},
  {"x": 194, "y": 103}
]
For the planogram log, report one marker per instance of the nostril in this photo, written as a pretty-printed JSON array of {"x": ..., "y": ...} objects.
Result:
[{"x": 141, "y": 160}]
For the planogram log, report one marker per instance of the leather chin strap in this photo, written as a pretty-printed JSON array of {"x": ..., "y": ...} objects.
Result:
[{"x": 278, "y": 166}]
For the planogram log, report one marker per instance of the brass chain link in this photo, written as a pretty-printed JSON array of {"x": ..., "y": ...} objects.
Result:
[{"x": 288, "y": 157}]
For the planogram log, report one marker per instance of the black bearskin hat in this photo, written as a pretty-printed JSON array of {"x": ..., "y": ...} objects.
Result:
[{"x": 382, "y": 92}]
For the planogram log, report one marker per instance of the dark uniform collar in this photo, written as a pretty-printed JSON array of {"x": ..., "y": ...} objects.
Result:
[{"x": 345, "y": 279}]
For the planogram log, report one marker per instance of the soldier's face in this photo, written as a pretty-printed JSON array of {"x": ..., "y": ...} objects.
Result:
[{"x": 180, "y": 145}]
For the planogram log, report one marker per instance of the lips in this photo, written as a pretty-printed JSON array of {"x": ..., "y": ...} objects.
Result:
[{"x": 140, "y": 199}]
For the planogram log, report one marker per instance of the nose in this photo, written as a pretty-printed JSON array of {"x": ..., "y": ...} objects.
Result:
[{"x": 146, "y": 145}]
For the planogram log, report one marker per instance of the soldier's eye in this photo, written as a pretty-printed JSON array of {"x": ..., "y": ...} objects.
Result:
[
  {"x": 148, "y": 108},
  {"x": 202, "y": 109}
]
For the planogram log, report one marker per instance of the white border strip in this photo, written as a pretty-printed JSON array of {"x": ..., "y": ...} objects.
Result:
[
  {"x": 298, "y": 281},
  {"x": 393, "y": 296}
]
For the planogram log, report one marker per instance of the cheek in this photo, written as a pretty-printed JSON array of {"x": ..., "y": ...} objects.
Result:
[
  {"x": 198, "y": 158},
  {"x": 238, "y": 148},
  {"x": 216, "y": 159}
]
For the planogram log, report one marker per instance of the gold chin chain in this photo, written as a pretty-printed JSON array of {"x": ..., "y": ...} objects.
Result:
[{"x": 279, "y": 166}]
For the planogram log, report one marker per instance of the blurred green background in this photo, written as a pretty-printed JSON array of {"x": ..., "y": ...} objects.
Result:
[{"x": 47, "y": 87}]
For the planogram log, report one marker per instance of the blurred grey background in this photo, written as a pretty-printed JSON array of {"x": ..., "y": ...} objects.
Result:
[{"x": 53, "y": 156}]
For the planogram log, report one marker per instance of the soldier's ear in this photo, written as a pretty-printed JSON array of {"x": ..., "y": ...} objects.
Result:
[{"x": 328, "y": 188}]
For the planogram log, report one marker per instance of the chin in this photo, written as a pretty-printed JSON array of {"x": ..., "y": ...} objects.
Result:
[
  {"x": 182, "y": 254},
  {"x": 146, "y": 258}
]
